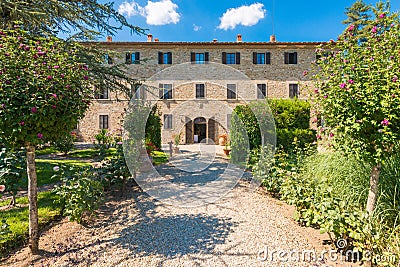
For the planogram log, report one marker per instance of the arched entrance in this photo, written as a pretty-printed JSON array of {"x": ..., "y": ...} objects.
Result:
[{"x": 199, "y": 130}]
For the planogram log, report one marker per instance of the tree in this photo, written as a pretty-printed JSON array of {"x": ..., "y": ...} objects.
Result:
[
  {"x": 44, "y": 91},
  {"x": 38, "y": 116},
  {"x": 358, "y": 90}
]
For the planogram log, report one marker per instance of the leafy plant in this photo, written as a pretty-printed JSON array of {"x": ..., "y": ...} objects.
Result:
[
  {"x": 358, "y": 89},
  {"x": 13, "y": 171},
  {"x": 65, "y": 144},
  {"x": 80, "y": 193}
]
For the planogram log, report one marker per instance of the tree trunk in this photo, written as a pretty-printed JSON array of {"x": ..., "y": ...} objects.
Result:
[
  {"x": 373, "y": 187},
  {"x": 32, "y": 197}
]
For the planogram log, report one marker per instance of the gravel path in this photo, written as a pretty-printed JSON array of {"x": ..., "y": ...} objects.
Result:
[{"x": 237, "y": 230}]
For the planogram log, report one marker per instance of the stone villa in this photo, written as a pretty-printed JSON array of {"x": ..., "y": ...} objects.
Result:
[{"x": 198, "y": 84}]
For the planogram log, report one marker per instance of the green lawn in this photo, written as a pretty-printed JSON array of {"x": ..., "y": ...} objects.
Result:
[
  {"x": 159, "y": 157},
  {"x": 17, "y": 218},
  {"x": 90, "y": 153}
]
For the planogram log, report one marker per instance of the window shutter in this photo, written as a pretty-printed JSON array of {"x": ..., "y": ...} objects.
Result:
[
  {"x": 286, "y": 58},
  {"x": 128, "y": 59},
  {"x": 137, "y": 57},
  {"x": 295, "y": 58},
  {"x": 237, "y": 57},
  {"x": 223, "y": 57},
  {"x": 169, "y": 58},
  {"x": 268, "y": 58},
  {"x": 254, "y": 58},
  {"x": 206, "y": 57},
  {"x": 192, "y": 57},
  {"x": 160, "y": 58}
]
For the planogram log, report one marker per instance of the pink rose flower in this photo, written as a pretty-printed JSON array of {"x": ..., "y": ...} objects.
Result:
[
  {"x": 54, "y": 95},
  {"x": 22, "y": 123},
  {"x": 374, "y": 29},
  {"x": 351, "y": 27},
  {"x": 86, "y": 77},
  {"x": 381, "y": 16},
  {"x": 350, "y": 81},
  {"x": 385, "y": 122},
  {"x": 40, "y": 136},
  {"x": 342, "y": 85},
  {"x": 331, "y": 135},
  {"x": 54, "y": 106},
  {"x": 34, "y": 110},
  {"x": 316, "y": 91},
  {"x": 2, "y": 188}
]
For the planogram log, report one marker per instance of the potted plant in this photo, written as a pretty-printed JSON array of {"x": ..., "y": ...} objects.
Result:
[
  {"x": 177, "y": 139},
  {"x": 222, "y": 139},
  {"x": 227, "y": 149}
]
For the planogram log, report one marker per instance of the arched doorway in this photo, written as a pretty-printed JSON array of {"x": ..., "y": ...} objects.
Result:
[{"x": 199, "y": 129}]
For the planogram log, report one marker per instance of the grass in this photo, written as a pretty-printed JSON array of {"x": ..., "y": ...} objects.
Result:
[
  {"x": 159, "y": 157},
  {"x": 45, "y": 151},
  {"x": 17, "y": 218},
  {"x": 90, "y": 153},
  {"x": 44, "y": 168}
]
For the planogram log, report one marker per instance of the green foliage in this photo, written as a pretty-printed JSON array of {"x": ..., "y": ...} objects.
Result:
[
  {"x": 302, "y": 137},
  {"x": 65, "y": 144},
  {"x": 49, "y": 96},
  {"x": 114, "y": 170},
  {"x": 290, "y": 113},
  {"x": 80, "y": 193},
  {"x": 329, "y": 192},
  {"x": 153, "y": 128},
  {"x": 12, "y": 170},
  {"x": 359, "y": 86},
  {"x": 239, "y": 137}
]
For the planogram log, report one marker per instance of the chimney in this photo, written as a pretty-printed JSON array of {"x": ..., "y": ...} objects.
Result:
[
  {"x": 214, "y": 40},
  {"x": 239, "y": 38},
  {"x": 156, "y": 40},
  {"x": 272, "y": 38},
  {"x": 149, "y": 38},
  {"x": 109, "y": 39}
]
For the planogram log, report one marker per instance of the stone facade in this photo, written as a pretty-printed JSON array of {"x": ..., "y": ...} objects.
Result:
[{"x": 215, "y": 108}]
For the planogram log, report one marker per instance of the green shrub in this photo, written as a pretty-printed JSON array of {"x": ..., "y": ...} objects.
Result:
[
  {"x": 290, "y": 113},
  {"x": 65, "y": 144},
  {"x": 285, "y": 137},
  {"x": 13, "y": 171},
  {"x": 80, "y": 193},
  {"x": 153, "y": 128}
]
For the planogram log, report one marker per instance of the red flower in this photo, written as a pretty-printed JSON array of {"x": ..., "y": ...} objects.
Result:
[{"x": 34, "y": 110}]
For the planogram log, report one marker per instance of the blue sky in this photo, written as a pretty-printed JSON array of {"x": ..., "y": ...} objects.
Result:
[{"x": 204, "y": 20}]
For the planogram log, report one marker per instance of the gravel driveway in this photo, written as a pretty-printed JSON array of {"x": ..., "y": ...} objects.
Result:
[{"x": 237, "y": 230}]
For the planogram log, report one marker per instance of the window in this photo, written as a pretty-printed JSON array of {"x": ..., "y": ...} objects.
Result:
[
  {"x": 138, "y": 92},
  {"x": 102, "y": 93},
  {"x": 103, "y": 121},
  {"x": 132, "y": 58},
  {"x": 108, "y": 59},
  {"x": 200, "y": 91},
  {"x": 199, "y": 58},
  {"x": 230, "y": 58},
  {"x": 164, "y": 58},
  {"x": 165, "y": 91},
  {"x": 231, "y": 91},
  {"x": 293, "y": 90},
  {"x": 261, "y": 91},
  {"x": 291, "y": 58},
  {"x": 262, "y": 58},
  {"x": 167, "y": 121}
]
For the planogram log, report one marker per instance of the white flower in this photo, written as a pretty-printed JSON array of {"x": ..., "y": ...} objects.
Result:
[
  {"x": 56, "y": 168},
  {"x": 2, "y": 188}
]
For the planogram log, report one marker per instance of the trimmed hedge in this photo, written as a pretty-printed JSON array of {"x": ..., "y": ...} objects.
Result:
[
  {"x": 292, "y": 120},
  {"x": 290, "y": 113},
  {"x": 285, "y": 137}
]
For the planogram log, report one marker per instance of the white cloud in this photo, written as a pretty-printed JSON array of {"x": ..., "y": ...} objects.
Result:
[
  {"x": 196, "y": 28},
  {"x": 244, "y": 15},
  {"x": 156, "y": 13},
  {"x": 130, "y": 9}
]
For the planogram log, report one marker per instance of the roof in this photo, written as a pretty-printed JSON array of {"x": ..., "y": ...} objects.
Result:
[{"x": 209, "y": 43}]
